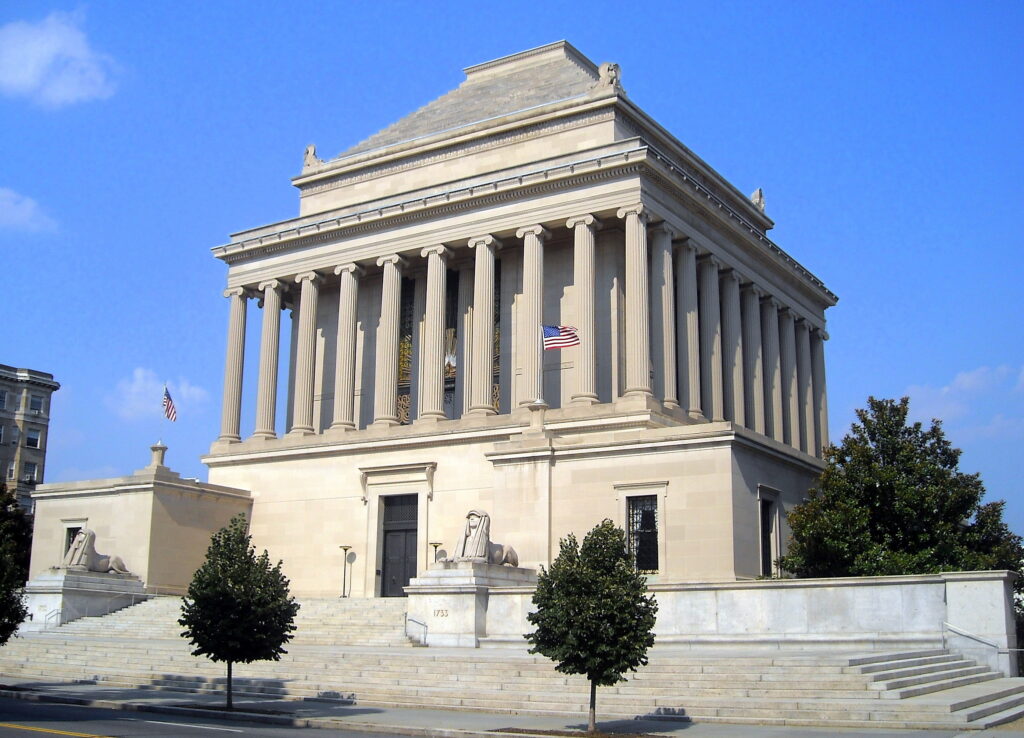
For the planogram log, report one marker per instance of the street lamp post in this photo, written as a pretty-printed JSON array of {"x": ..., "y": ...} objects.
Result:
[
  {"x": 436, "y": 545},
  {"x": 344, "y": 570}
]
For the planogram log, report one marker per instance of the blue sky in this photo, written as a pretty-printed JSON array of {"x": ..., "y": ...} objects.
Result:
[{"x": 136, "y": 136}]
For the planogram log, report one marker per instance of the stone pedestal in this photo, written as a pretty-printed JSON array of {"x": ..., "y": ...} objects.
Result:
[
  {"x": 59, "y": 596},
  {"x": 448, "y": 602}
]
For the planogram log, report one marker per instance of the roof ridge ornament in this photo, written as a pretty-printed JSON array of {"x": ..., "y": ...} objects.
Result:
[
  {"x": 610, "y": 77},
  {"x": 309, "y": 158},
  {"x": 758, "y": 199}
]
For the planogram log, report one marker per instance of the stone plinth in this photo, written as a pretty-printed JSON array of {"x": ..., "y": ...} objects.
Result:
[
  {"x": 59, "y": 596},
  {"x": 448, "y": 602}
]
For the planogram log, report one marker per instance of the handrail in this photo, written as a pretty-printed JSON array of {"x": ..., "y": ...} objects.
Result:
[
  {"x": 52, "y": 615},
  {"x": 979, "y": 639},
  {"x": 417, "y": 622}
]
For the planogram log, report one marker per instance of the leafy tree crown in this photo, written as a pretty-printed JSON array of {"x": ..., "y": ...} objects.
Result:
[
  {"x": 593, "y": 615},
  {"x": 238, "y": 608}
]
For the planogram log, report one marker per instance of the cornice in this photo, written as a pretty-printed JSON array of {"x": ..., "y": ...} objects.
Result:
[
  {"x": 451, "y": 202},
  {"x": 326, "y": 180}
]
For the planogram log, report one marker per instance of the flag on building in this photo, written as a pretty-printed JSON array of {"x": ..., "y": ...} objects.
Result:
[
  {"x": 560, "y": 336},
  {"x": 169, "y": 412}
]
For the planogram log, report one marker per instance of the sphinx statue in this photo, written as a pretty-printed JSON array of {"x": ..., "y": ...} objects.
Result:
[
  {"x": 475, "y": 543},
  {"x": 82, "y": 555}
]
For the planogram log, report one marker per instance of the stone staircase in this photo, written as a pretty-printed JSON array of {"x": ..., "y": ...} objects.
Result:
[{"x": 351, "y": 651}]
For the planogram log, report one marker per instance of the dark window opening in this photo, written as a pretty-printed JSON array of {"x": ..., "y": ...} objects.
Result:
[{"x": 642, "y": 534}]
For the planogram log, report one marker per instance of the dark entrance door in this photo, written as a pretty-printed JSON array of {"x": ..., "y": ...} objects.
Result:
[{"x": 399, "y": 565}]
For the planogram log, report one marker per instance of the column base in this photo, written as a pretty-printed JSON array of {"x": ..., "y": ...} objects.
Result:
[
  {"x": 337, "y": 431},
  {"x": 384, "y": 423},
  {"x": 587, "y": 399},
  {"x": 477, "y": 411},
  {"x": 431, "y": 419},
  {"x": 263, "y": 436},
  {"x": 638, "y": 400},
  {"x": 299, "y": 432}
]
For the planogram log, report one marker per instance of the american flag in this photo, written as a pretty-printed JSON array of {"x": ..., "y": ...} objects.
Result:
[
  {"x": 560, "y": 336},
  {"x": 169, "y": 412}
]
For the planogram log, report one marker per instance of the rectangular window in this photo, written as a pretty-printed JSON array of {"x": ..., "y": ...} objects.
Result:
[
  {"x": 29, "y": 470},
  {"x": 35, "y": 403},
  {"x": 33, "y": 438},
  {"x": 768, "y": 520},
  {"x": 14, "y": 435},
  {"x": 1, "y": 434},
  {"x": 10, "y": 470},
  {"x": 3, "y": 399},
  {"x": 69, "y": 537},
  {"x": 642, "y": 533}
]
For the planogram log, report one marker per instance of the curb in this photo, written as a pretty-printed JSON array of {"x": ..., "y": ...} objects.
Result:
[{"x": 253, "y": 717}]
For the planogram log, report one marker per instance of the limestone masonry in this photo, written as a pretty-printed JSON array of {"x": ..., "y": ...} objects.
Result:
[{"x": 409, "y": 296}]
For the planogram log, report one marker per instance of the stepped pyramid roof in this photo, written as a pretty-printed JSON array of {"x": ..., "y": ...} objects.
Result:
[{"x": 529, "y": 79}]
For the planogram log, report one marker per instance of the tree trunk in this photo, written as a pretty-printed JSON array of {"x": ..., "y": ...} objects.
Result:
[
  {"x": 230, "y": 706},
  {"x": 592, "y": 717}
]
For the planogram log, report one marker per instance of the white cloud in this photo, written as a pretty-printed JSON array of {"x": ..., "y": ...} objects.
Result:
[
  {"x": 141, "y": 395},
  {"x": 22, "y": 213},
  {"x": 978, "y": 406},
  {"x": 52, "y": 63}
]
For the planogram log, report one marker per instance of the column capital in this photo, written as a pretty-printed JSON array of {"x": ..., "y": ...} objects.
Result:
[
  {"x": 587, "y": 220},
  {"x": 712, "y": 260},
  {"x": 663, "y": 227},
  {"x": 727, "y": 274},
  {"x": 750, "y": 287},
  {"x": 638, "y": 209},
  {"x": 821, "y": 333},
  {"x": 787, "y": 312},
  {"x": 235, "y": 292},
  {"x": 771, "y": 301},
  {"x": 352, "y": 268},
  {"x": 440, "y": 249},
  {"x": 391, "y": 259},
  {"x": 686, "y": 243},
  {"x": 271, "y": 284},
  {"x": 485, "y": 240},
  {"x": 313, "y": 277},
  {"x": 538, "y": 230}
]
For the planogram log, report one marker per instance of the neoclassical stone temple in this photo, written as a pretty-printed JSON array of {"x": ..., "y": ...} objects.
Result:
[{"x": 408, "y": 298}]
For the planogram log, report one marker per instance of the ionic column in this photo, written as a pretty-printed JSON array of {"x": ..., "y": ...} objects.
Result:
[
  {"x": 483, "y": 324},
  {"x": 432, "y": 377},
  {"x": 464, "y": 332},
  {"x": 787, "y": 358},
  {"x": 753, "y": 369},
  {"x": 385, "y": 392},
  {"x": 820, "y": 399},
  {"x": 732, "y": 349},
  {"x": 532, "y": 312},
  {"x": 345, "y": 356},
  {"x": 231, "y": 413},
  {"x": 270, "y": 350},
  {"x": 584, "y": 229},
  {"x": 305, "y": 353},
  {"x": 638, "y": 342},
  {"x": 663, "y": 316},
  {"x": 772, "y": 369},
  {"x": 688, "y": 340},
  {"x": 710, "y": 340},
  {"x": 803, "y": 382}
]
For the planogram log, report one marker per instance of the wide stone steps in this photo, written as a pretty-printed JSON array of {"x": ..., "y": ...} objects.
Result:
[
  {"x": 141, "y": 646},
  {"x": 318, "y": 622}
]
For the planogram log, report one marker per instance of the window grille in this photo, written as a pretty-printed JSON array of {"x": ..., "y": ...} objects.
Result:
[{"x": 642, "y": 534}]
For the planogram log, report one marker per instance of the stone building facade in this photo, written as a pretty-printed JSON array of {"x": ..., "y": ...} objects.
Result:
[
  {"x": 408, "y": 298},
  {"x": 24, "y": 428}
]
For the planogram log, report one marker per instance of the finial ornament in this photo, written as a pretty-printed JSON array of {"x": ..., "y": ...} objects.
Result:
[
  {"x": 610, "y": 76},
  {"x": 310, "y": 159},
  {"x": 758, "y": 199}
]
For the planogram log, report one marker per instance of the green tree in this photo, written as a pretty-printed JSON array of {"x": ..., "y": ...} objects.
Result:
[
  {"x": 15, "y": 548},
  {"x": 892, "y": 500},
  {"x": 238, "y": 608},
  {"x": 593, "y": 615}
]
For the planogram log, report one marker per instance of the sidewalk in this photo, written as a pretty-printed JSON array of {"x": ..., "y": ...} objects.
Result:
[{"x": 424, "y": 722}]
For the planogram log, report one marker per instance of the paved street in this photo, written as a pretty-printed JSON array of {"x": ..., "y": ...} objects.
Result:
[{"x": 122, "y": 712}]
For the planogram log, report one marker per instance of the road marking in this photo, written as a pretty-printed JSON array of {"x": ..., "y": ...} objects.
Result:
[
  {"x": 51, "y": 731},
  {"x": 190, "y": 725}
]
